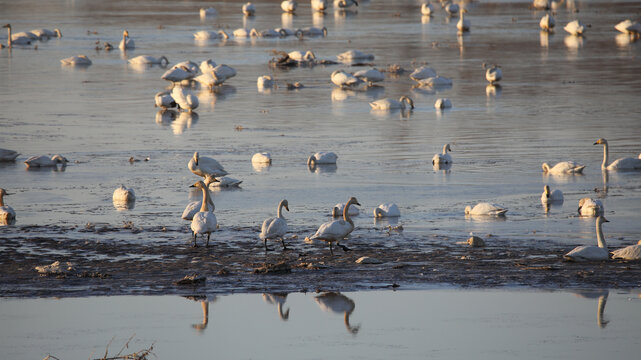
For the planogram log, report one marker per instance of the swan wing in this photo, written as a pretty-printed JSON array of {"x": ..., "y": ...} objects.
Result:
[
  {"x": 632, "y": 252},
  {"x": 625, "y": 164},
  {"x": 273, "y": 228},
  {"x": 587, "y": 253},
  {"x": 333, "y": 230},
  {"x": 191, "y": 209}
]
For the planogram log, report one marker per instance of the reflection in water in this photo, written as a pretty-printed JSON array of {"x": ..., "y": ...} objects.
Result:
[
  {"x": 261, "y": 167},
  {"x": 56, "y": 168},
  {"x": 218, "y": 93},
  {"x": 278, "y": 299},
  {"x": 485, "y": 218},
  {"x": 602, "y": 295},
  {"x": 544, "y": 39},
  {"x": 493, "y": 90},
  {"x": 425, "y": 19},
  {"x": 442, "y": 166},
  {"x": 287, "y": 20},
  {"x": 370, "y": 93},
  {"x": 386, "y": 221},
  {"x": 338, "y": 303},
  {"x": 322, "y": 168},
  {"x": 165, "y": 117},
  {"x": 573, "y": 43},
  {"x": 184, "y": 121},
  {"x": 624, "y": 40},
  {"x": 605, "y": 175},
  {"x": 124, "y": 205}
]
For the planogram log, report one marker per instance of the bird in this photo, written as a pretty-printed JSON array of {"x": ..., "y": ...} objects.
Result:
[
  {"x": 312, "y": 31},
  {"x": 27, "y": 34},
  {"x": 288, "y": 6},
  {"x": 178, "y": 73},
  {"x": 547, "y": 23},
  {"x": 435, "y": 82},
  {"x": 575, "y": 28},
  {"x": 319, "y": 5},
  {"x": 45, "y": 161},
  {"x": 203, "y": 166},
  {"x": 337, "y": 210},
  {"x": 224, "y": 182},
  {"x": 322, "y": 158},
  {"x": 590, "y": 207},
  {"x": 16, "y": 40},
  {"x": 591, "y": 252},
  {"x": 629, "y": 27},
  {"x": 343, "y": 4},
  {"x": 627, "y": 163},
  {"x": 265, "y": 82},
  {"x": 249, "y": 9},
  {"x": 204, "y": 221},
  {"x": 7, "y": 214},
  {"x": 451, "y": 9},
  {"x": 262, "y": 158},
  {"x": 541, "y": 4},
  {"x": 207, "y": 65},
  {"x": 164, "y": 100},
  {"x": 210, "y": 11},
  {"x": 184, "y": 99},
  {"x": 126, "y": 43},
  {"x": 344, "y": 79},
  {"x": 563, "y": 167},
  {"x": 194, "y": 207},
  {"x": 443, "y": 103},
  {"x": 387, "y": 210},
  {"x": 124, "y": 194},
  {"x": 632, "y": 252},
  {"x": 422, "y": 73},
  {"x": 337, "y": 230},
  {"x": 217, "y": 76},
  {"x": 8, "y": 155},
  {"x": 370, "y": 76},
  {"x": 210, "y": 35},
  {"x": 463, "y": 24},
  {"x": 551, "y": 196},
  {"x": 391, "y": 104},
  {"x": 275, "y": 227},
  {"x": 484, "y": 208},
  {"x": 244, "y": 32},
  {"x": 444, "y": 157},
  {"x": 352, "y": 55},
  {"x": 338, "y": 303},
  {"x": 46, "y": 33},
  {"x": 80, "y": 60},
  {"x": 427, "y": 9},
  {"x": 493, "y": 73},
  {"x": 302, "y": 56},
  {"x": 149, "y": 60}
]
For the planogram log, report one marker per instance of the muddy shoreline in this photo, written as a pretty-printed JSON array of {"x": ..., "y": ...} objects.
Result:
[{"x": 236, "y": 261}]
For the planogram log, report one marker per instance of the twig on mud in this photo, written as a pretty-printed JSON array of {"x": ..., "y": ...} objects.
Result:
[{"x": 140, "y": 355}]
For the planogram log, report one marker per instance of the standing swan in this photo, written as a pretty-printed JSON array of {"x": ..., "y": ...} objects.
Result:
[
  {"x": 7, "y": 215},
  {"x": 204, "y": 222},
  {"x": 618, "y": 164},
  {"x": 184, "y": 99},
  {"x": 126, "y": 43},
  {"x": 591, "y": 253},
  {"x": 337, "y": 230},
  {"x": 194, "y": 207},
  {"x": 275, "y": 227},
  {"x": 443, "y": 158}
]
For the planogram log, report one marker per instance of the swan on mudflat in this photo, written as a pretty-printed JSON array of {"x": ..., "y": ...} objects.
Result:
[
  {"x": 204, "y": 221},
  {"x": 337, "y": 230},
  {"x": 275, "y": 227},
  {"x": 591, "y": 252}
]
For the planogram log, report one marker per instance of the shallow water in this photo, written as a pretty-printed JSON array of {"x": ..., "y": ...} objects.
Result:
[{"x": 557, "y": 97}]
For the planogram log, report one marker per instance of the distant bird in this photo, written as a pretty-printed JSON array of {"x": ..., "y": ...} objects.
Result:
[
  {"x": 275, "y": 227},
  {"x": 7, "y": 214},
  {"x": 370, "y": 76},
  {"x": 547, "y": 23},
  {"x": 590, "y": 207},
  {"x": 550, "y": 197},
  {"x": 632, "y": 252},
  {"x": 46, "y": 33},
  {"x": 435, "y": 82},
  {"x": 422, "y": 73},
  {"x": 249, "y": 9},
  {"x": 629, "y": 27},
  {"x": 337, "y": 210},
  {"x": 184, "y": 99},
  {"x": 541, "y": 4},
  {"x": 591, "y": 253},
  {"x": 563, "y": 167},
  {"x": 126, "y": 43},
  {"x": 262, "y": 158},
  {"x": 45, "y": 161},
  {"x": 210, "y": 35},
  {"x": 210, "y": 11},
  {"x": 312, "y": 31},
  {"x": 463, "y": 24},
  {"x": 391, "y": 104},
  {"x": 124, "y": 194},
  {"x": 204, "y": 221},
  {"x": 322, "y": 158},
  {"x": 352, "y": 55},
  {"x": 444, "y": 157},
  {"x": 203, "y": 166},
  {"x": 16, "y": 40},
  {"x": 575, "y": 28},
  {"x": 451, "y": 8},
  {"x": 493, "y": 73},
  {"x": 148, "y": 60},
  {"x": 344, "y": 4},
  {"x": 319, "y": 5},
  {"x": 302, "y": 56},
  {"x": 265, "y": 82},
  {"x": 289, "y": 6},
  {"x": 387, "y": 210},
  {"x": 8, "y": 155},
  {"x": 164, "y": 100},
  {"x": 337, "y": 230},
  {"x": 484, "y": 208},
  {"x": 427, "y": 9},
  {"x": 80, "y": 60},
  {"x": 443, "y": 103},
  {"x": 627, "y": 163},
  {"x": 343, "y": 79}
]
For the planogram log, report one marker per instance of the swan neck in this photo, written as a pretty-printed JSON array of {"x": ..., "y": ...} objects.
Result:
[
  {"x": 9, "y": 42},
  {"x": 1, "y": 199},
  {"x": 346, "y": 216},
  {"x": 280, "y": 210},
  {"x": 206, "y": 200},
  {"x": 603, "y": 299},
  {"x": 604, "y": 165},
  {"x": 444, "y": 149},
  {"x": 599, "y": 236}
]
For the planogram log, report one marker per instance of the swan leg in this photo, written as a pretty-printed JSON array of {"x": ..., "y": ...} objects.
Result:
[
  {"x": 207, "y": 243},
  {"x": 330, "y": 249},
  {"x": 195, "y": 237},
  {"x": 282, "y": 240},
  {"x": 266, "y": 248}
]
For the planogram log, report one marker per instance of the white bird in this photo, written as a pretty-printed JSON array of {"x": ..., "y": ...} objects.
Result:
[
  {"x": 289, "y": 6},
  {"x": 126, "y": 43},
  {"x": 194, "y": 207},
  {"x": 16, "y": 40},
  {"x": 575, "y": 28},
  {"x": 493, "y": 73},
  {"x": 435, "y": 82},
  {"x": 319, "y": 5},
  {"x": 322, "y": 158},
  {"x": 343, "y": 4},
  {"x": 564, "y": 167},
  {"x": 27, "y": 34},
  {"x": 337, "y": 210},
  {"x": 210, "y": 35},
  {"x": 123, "y": 194},
  {"x": 244, "y": 33},
  {"x": 249, "y": 9},
  {"x": 370, "y": 76},
  {"x": 224, "y": 182},
  {"x": 80, "y": 60},
  {"x": 391, "y": 104},
  {"x": 272, "y": 33},
  {"x": 210, "y": 11},
  {"x": 443, "y": 103},
  {"x": 262, "y": 158},
  {"x": 343, "y": 79},
  {"x": 217, "y": 76},
  {"x": 463, "y": 24},
  {"x": 204, "y": 221},
  {"x": 178, "y": 73},
  {"x": 45, "y": 161},
  {"x": 340, "y": 304},
  {"x": 451, "y": 9},
  {"x": 8, "y": 155},
  {"x": 149, "y": 60},
  {"x": 302, "y": 56},
  {"x": 541, "y": 4},
  {"x": 203, "y": 166},
  {"x": 265, "y": 82},
  {"x": 275, "y": 227},
  {"x": 427, "y": 9},
  {"x": 164, "y": 100},
  {"x": 387, "y": 210},
  {"x": 629, "y": 27},
  {"x": 550, "y": 197},
  {"x": 207, "y": 65},
  {"x": 352, "y": 55},
  {"x": 632, "y": 252},
  {"x": 591, "y": 253},
  {"x": 337, "y": 230},
  {"x": 485, "y": 209},
  {"x": 628, "y": 163},
  {"x": 422, "y": 73},
  {"x": 286, "y": 31},
  {"x": 46, "y": 33},
  {"x": 184, "y": 98},
  {"x": 312, "y": 31},
  {"x": 547, "y": 23},
  {"x": 444, "y": 157},
  {"x": 7, "y": 214},
  {"x": 590, "y": 207}
]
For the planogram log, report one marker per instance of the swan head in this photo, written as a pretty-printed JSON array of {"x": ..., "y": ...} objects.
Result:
[
  {"x": 199, "y": 184},
  {"x": 254, "y": 32},
  {"x": 223, "y": 34},
  {"x": 309, "y": 55},
  {"x": 311, "y": 161},
  {"x": 164, "y": 58},
  {"x": 409, "y": 100},
  {"x": 468, "y": 210},
  {"x": 3, "y": 192},
  {"x": 446, "y": 148},
  {"x": 125, "y": 34},
  {"x": 59, "y": 159},
  {"x": 284, "y": 204},
  {"x": 195, "y": 157},
  {"x": 601, "y": 219},
  {"x": 378, "y": 213},
  {"x": 8, "y": 26},
  {"x": 545, "y": 167},
  {"x": 601, "y": 141},
  {"x": 352, "y": 201}
]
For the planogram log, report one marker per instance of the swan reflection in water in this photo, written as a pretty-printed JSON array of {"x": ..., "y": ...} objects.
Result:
[
  {"x": 370, "y": 93},
  {"x": 322, "y": 168},
  {"x": 602, "y": 295},
  {"x": 338, "y": 303},
  {"x": 278, "y": 299},
  {"x": 493, "y": 90},
  {"x": 124, "y": 205},
  {"x": 185, "y": 120},
  {"x": 204, "y": 304},
  {"x": 444, "y": 167},
  {"x": 166, "y": 117},
  {"x": 218, "y": 93}
]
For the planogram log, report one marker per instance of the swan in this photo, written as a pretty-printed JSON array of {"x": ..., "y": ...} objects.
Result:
[
  {"x": 435, "y": 81},
  {"x": 217, "y": 76},
  {"x": 286, "y": 31},
  {"x": 463, "y": 24},
  {"x": 80, "y": 60},
  {"x": 387, "y": 210},
  {"x": 149, "y": 60},
  {"x": 629, "y": 27},
  {"x": 289, "y": 6},
  {"x": 124, "y": 194},
  {"x": 422, "y": 73},
  {"x": 591, "y": 253},
  {"x": 541, "y": 4},
  {"x": 343, "y": 4},
  {"x": 628, "y": 163},
  {"x": 485, "y": 209},
  {"x": 550, "y": 197},
  {"x": 8, "y": 155},
  {"x": 352, "y": 55},
  {"x": 575, "y": 28},
  {"x": 46, "y": 33},
  {"x": 444, "y": 157},
  {"x": 343, "y": 79},
  {"x": 45, "y": 161},
  {"x": 207, "y": 65},
  {"x": 164, "y": 100},
  {"x": 249, "y": 9},
  {"x": 7, "y": 214},
  {"x": 224, "y": 181},
  {"x": 322, "y": 158},
  {"x": 244, "y": 33},
  {"x": 564, "y": 167},
  {"x": 184, "y": 99},
  {"x": 275, "y": 227},
  {"x": 203, "y": 166},
  {"x": 16, "y": 40},
  {"x": 442, "y": 103},
  {"x": 302, "y": 56},
  {"x": 338, "y": 303},
  {"x": 265, "y": 82},
  {"x": 189, "y": 65},
  {"x": 210, "y": 11},
  {"x": 547, "y": 23},
  {"x": 451, "y": 9},
  {"x": 279, "y": 299},
  {"x": 271, "y": 33},
  {"x": 391, "y": 104},
  {"x": 178, "y": 74},
  {"x": 204, "y": 221},
  {"x": 312, "y": 31},
  {"x": 337, "y": 210},
  {"x": 427, "y": 9},
  {"x": 590, "y": 207},
  {"x": 194, "y": 207},
  {"x": 126, "y": 43},
  {"x": 632, "y": 252},
  {"x": 319, "y": 5},
  {"x": 337, "y": 230},
  {"x": 262, "y": 158},
  {"x": 210, "y": 35},
  {"x": 493, "y": 73},
  {"x": 370, "y": 75}
]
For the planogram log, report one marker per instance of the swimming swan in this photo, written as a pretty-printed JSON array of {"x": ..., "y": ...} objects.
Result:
[
  {"x": 422, "y": 73},
  {"x": 289, "y": 6},
  {"x": 275, "y": 227},
  {"x": 550, "y": 197},
  {"x": 204, "y": 222},
  {"x": 629, "y": 27},
  {"x": 575, "y": 28},
  {"x": 391, "y": 104},
  {"x": 427, "y": 9},
  {"x": 7, "y": 214},
  {"x": 591, "y": 253},
  {"x": 164, "y": 100},
  {"x": 435, "y": 82},
  {"x": 387, "y": 210},
  {"x": 322, "y": 158},
  {"x": 590, "y": 207},
  {"x": 564, "y": 167},
  {"x": 319, "y": 5},
  {"x": 370, "y": 76},
  {"x": 210, "y": 35},
  {"x": 8, "y": 155},
  {"x": 337, "y": 230},
  {"x": 485, "y": 209},
  {"x": 442, "y": 103},
  {"x": 249, "y": 9},
  {"x": 632, "y": 252},
  {"x": 149, "y": 60},
  {"x": 337, "y": 210},
  {"x": 46, "y": 33},
  {"x": 343, "y": 79},
  {"x": 123, "y": 194},
  {"x": 203, "y": 166},
  {"x": 352, "y": 55},
  {"x": 45, "y": 161},
  {"x": 194, "y": 207},
  {"x": 547, "y": 23},
  {"x": 262, "y": 158},
  {"x": 627, "y": 163},
  {"x": 265, "y": 82},
  {"x": 16, "y": 40},
  {"x": 80, "y": 60},
  {"x": 126, "y": 43},
  {"x": 451, "y": 9},
  {"x": 463, "y": 24},
  {"x": 493, "y": 73},
  {"x": 444, "y": 157}
]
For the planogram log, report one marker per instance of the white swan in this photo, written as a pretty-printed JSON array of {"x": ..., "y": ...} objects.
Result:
[
  {"x": 8, "y": 155},
  {"x": 427, "y": 9},
  {"x": 249, "y": 9},
  {"x": 463, "y": 24},
  {"x": 628, "y": 163},
  {"x": 422, "y": 73},
  {"x": 435, "y": 81},
  {"x": 46, "y": 33},
  {"x": 337, "y": 230},
  {"x": 7, "y": 214},
  {"x": 322, "y": 158},
  {"x": 203, "y": 166},
  {"x": 244, "y": 33},
  {"x": 387, "y": 210},
  {"x": 45, "y": 161},
  {"x": 451, "y": 9},
  {"x": 265, "y": 82},
  {"x": 164, "y": 100},
  {"x": 302, "y": 56},
  {"x": 628, "y": 27},
  {"x": 343, "y": 79},
  {"x": 184, "y": 98},
  {"x": 16, "y": 40},
  {"x": 547, "y": 23},
  {"x": 591, "y": 253},
  {"x": 275, "y": 227},
  {"x": 550, "y": 197},
  {"x": 319, "y": 5},
  {"x": 343, "y": 4},
  {"x": 194, "y": 207},
  {"x": 590, "y": 207},
  {"x": 442, "y": 103},
  {"x": 126, "y": 43},
  {"x": 632, "y": 252},
  {"x": 312, "y": 31},
  {"x": 207, "y": 65},
  {"x": 493, "y": 74},
  {"x": 575, "y": 28},
  {"x": 391, "y": 104},
  {"x": 27, "y": 34},
  {"x": 80, "y": 60},
  {"x": 262, "y": 158},
  {"x": 444, "y": 157},
  {"x": 149, "y": 60},
  {"x": 204, "y": 222},
  {"x": 337, "y": 210},
  {"x": 218, "y": 76},
  {"x": 370, "y": 76},
  {"x": 123, "y": 194},
  {"x": 272, "y": 33},
  {"x": 205, "y": 12},
  {"x": 485, "y": 209},
  {"x": 352, "y": 55},
  {"x": 178, "y": 73},
  {"x": 563, "y": 167},
  {"x": 289, "y": 6},
  {"x": 541, "y": 4},
  {"x": 224, "y": 182},
  {"x": 210, "y": 35}
]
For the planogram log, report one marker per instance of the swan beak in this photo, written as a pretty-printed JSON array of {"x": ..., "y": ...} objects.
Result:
[
  {"x": 605, "y": 220},
  {"x": 194, "y": 185},
  {"x": 286, "y": 207},
  {"x": 357, "y": 203},
  {"x": 596, "y": 143}
]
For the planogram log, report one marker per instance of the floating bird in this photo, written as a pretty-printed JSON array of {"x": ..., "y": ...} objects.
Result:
[
  {"x": 343, "y": 79},
  {"x": 493, "y": 73},
  {"x": 244, "y": 33},
  {"x": 205, "y": 12},
  {"x": 149, "y": 60},
  {"x": 547, "y": 23},
  {"x": 8, "y": 155},
  {"x": 184, "y": 99},
  {"x": 322, "y": 158},
  {"x": 45, "y": 161},
  {"x": 164, "y": 100},
  {"x": 319, "y": 5},
  {"x": 194, "y": 207},
  {"x": 387, "y": 210},
  {"x": 444, "y": 157},
  {"x": 262, "y": 158},
  {"x": 344, "y": 4},
  {"x": 541, "y": 4},
  {"x": 564, "y": 167},
  {"x": 485, "y": 209},
  {"x": 126, "y": 43},
  {"x": 370, "y": 76},
  {"x": 629, "y": 27},
  {"x": 203, "y": 166},
  {"x": 463, "y": 24},
  {"x": 16, "y": 40},
  {"x": 591, "y": 253},
  {"x": 442, "y": 103},
  {"x": 265, "y": 82},
  {"x": 628, "y": 163},
  {"x": 46, "y": 33},
  {"x": 7, "y": 214},
  {"x": 204, "y": 221},
  {"x": 218, "y": 76},
  {"x": 451, "y": 9},
  {"x": 422, "y": 73},
  {"x": 275, "y": 227},
  {"x": 550, "y": 197},
  {"x": 210, "y": 35},
  {"x": 632, "y": 252},
  {"x": 427, "y": 9},
  {"x": 178, "y": 73},
  {"x": 391, "y": 104},
  {"x": 80, "y": 60},
  {"x": 590, "y": 207},
  {"x": 337, "y": 230},
  {"x": 312, "y": 31},
  {"x": 207, "y": 65},
  {"x": 352, "y": 55},
  {"x": 435, "y": 82},
  {"x": 123, "y": 195},
  {"x": 302, "y": 56},
  {"x": 249, "y": 9},
  {"x": 337, "y": 210},
  {"x": 575, "y": 28},
  {"x": 224, "y": 182},
  {"x": 289, "y": 6}
]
